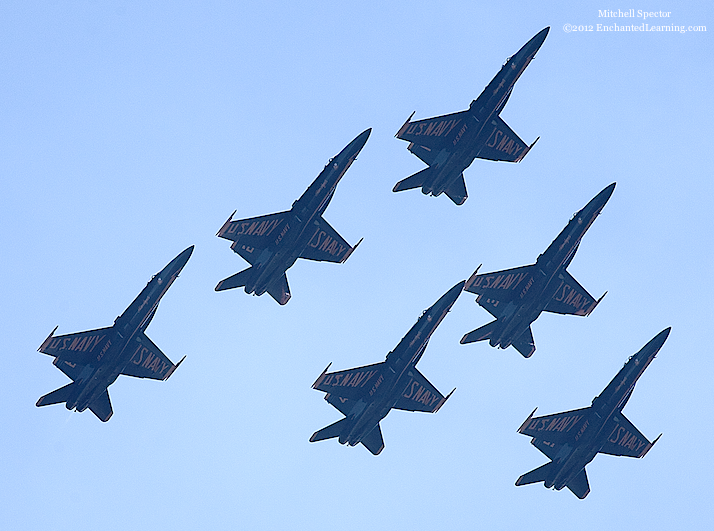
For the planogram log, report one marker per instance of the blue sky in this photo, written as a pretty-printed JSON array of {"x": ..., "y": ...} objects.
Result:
[{"x": 130, "y": 132}]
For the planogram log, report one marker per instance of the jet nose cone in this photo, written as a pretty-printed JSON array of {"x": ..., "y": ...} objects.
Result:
[
  {"x": 606, "y": 193},
  {"x": 361, "y": 139},
  {"x": 183, "y": 257},
  {"x": 449, "y": 298}
]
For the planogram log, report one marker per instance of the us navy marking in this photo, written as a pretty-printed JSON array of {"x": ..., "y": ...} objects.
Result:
[
  {"x": 432, "y": 128},
  {"x": 148, "y": 360},
  {"x": 417, "y": 392},
  {"x": 500, "y": 141},
  {"x": 253, "y": 228},
  {"x": 326, "y": 243},
  {"x": 499, "y": 281},
  {"x": 80, "y": 344},
  {"x": 350, "y": 379}
]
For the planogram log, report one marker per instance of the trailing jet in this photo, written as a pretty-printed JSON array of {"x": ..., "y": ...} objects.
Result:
[
  {"x": 273, "y": 243},
  {"x": 573, "y": 438},
  {"x": 516, "y": 297},
  {"x": 365, "y": 395},
  {"x": 450, "y": 143},
  {"x": 94, "y": 359}
]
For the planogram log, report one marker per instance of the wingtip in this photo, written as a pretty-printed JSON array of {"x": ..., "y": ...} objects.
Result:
[
  {"x": 525, "y": 423},
  {"x": 349, "y": 253},
  {"x": 173, "y": 369},
  {"x": 319, "y": 378},
  {"x": 472, "y": 278},
  {"x": 227, "y": 222},
  {"x": 403, "y": 126},
  {"x": 39, "y": 349}
]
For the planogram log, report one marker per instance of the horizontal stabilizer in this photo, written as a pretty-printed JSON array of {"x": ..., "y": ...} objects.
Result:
[
  {"x": 579, "y": 485},
  {"x": 373, "y": 441},
  {"x": 457, "y": 191},
  {"x": 57, "y": 396},
  {"x": 480, "y": 333},
  {"x": 279, "y": 290},
  {"x": 525, "y": 343},
  {"x": 413, "y": 181},
  {"x": 534, "y": 476},
  {"x": 235, "y": 281},
  {"x": 328, "y": 432},
  {"x": 102, "y": 407}
]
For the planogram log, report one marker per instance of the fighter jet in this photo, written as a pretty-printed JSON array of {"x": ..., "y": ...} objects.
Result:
[
  {"x": 450, "y": 143},
  {"x": 573, "y": 438},
  {"x": 516, "y": 297},
  {"x": 365, "y": 395},
  {"x": 94, "y": 359},
  {"x": 273, "y": 243}
]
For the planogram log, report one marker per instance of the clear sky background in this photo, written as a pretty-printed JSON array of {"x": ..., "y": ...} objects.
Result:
[{"x": 129, "y": 132}]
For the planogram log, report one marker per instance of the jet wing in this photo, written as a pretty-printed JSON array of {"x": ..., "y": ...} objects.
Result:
[
  {"x": 571, "y": 298},
  {"x": 253, "y": 233},
  {"x": 433, "y": 133},
  {"x": 499, "y": 286},
  {"x": 502, "y": 144},
  {"x": 424, "y": 153},
  {"x": 80, "y": 348},
  {"x": 147, "y": 361},
  {"x": 419, "y": 395},
  {"x": 624, "y": 439},
  {"x": 558, "y": 428},
  {"x": 325, "y": 245},
  {"x": 351, "y": 383}
]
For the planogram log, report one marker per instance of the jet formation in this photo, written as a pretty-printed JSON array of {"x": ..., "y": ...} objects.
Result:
[
  {"x": 365, "y": 395},
  {"x": 273, "y": 243},
  {"x": 94, "y": 359},
  {"x": 573, "y": 438},
  {"x": 450, "y": 143},
  {"x": 516, "y": 297}
]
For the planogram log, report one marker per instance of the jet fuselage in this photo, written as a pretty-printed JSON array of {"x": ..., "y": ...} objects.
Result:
[
  {"x": 298, "y": 231},
  {"x": 543, "y": 284},
  {"x": 118, "y": 349},
  {"x": 386, "y": 390},
  {"x": 477, "y": 129},
  {"x": 591, "y": 433}
]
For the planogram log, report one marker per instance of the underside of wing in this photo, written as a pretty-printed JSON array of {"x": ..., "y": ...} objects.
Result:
[
  {"x": 552, "y": 450},
  {"x": 420, "y": 395},
  {"x": 500, "y": 285},
  {"x": 624, "y": 439},
  {"x": 433, "y": 133},
  {"x": 502, "y": 144},
  {"x": 571, "y": 298},
  {"x": 424, "y": 153},
  {"x": 253, "y": 233},
  {"x": 80, "y": 348},
  {"x": 351, "y": 383},
  {"x": 146, "y": 360},
  {"x": 558, "y": 428},
  {"x": 325, "y": 244}
]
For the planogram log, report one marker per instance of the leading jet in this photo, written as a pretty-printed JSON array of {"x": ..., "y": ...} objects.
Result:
[
  {"x": 365, "y": 395},
  {"x": 573, "y": 438},
  {"x": 450, "y": 143},
  {"x": 273, "y": 243},
  {"x": 94, "y": 359},
  {"x": 516, "y": 297}
]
